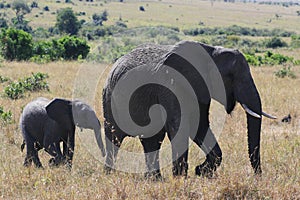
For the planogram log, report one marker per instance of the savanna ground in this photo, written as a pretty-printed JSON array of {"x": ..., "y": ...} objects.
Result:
[{"x": 280, "y": 142}]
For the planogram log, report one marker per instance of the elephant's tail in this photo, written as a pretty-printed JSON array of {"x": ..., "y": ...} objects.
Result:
[{"x": 23, "y": 145}]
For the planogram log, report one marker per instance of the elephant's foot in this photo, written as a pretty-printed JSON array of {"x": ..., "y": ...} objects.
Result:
[
  {"x": 205, "y": 170},
  {"x": 108, "y": 169},
  {"x": 180, "y": 169},
  {"x": 154, "y": 175},
  {"x": 57, "y": 161},
  {"x": 27, "y": 162}
]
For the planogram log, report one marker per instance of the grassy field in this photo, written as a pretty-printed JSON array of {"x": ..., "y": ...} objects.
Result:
[{"x": 280, "y": 143}]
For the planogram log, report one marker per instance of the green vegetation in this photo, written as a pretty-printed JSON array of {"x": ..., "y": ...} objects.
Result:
[
  {"x": 295, "y": 43},
  {"x": 237, "y": 30},
  {"x": 164, "y": 23},
  {"x": 16, "y": 44},
  {"x": 5, "y": 116},
  {"x": 269, "y": 58},
  {"x": 285, "y": 72},
  {"x": 113, "y": 47},
  {"x": 67, "y": 48},
  {"x": 4, "y": 79},
  {"x": 67, "y": 22},
  {"x": 35, "y": 82},
  {"x": 73, "y": 47},
  {"x": 275, "y": 42}
]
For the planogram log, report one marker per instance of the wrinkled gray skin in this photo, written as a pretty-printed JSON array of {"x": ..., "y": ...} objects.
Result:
[
  {"x": 46, "y": 123},
  {"x": 239, "y": 87}
]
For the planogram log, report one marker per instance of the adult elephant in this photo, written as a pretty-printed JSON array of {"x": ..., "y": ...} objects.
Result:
[
  {"x": 45, "y": 123},
  {"x": 159, "y": 64}
]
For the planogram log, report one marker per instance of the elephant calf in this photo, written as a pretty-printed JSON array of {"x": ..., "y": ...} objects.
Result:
[{"x": 45, "y": 123}]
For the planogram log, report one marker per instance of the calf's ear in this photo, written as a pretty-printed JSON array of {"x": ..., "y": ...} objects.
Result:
[{"x": 60, "y": 110}]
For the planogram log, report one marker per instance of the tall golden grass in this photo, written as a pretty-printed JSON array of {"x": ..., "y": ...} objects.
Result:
[{"x": 280, "y": 147}]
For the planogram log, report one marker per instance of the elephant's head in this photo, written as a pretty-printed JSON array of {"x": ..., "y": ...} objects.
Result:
[
  {"x": 71, "y": 113},
  {"x": 240, "y": 87}
]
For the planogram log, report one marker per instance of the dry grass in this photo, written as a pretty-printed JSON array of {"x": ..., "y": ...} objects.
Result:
[
  {"x": 172, "y": 12},
  {"x": 234, "y": 179},
  {"x": 280, "y": 144}
]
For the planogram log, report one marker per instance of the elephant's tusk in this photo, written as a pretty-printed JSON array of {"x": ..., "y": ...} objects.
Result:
[
  {"x": 250, "y": 112},
  {"x": 268, "y": 115}
]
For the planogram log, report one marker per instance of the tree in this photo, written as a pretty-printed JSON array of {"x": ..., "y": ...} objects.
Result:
[
  {"x": 21, "y": 9},
  {"x": 74, "y": 47},
  {"x": 67, "y": 22},
  {"x": 16, "y": 44},
  {"x": 98, "y": 19}
]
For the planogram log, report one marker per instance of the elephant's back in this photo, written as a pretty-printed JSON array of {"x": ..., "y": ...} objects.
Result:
[
  {"x": 34, "y": 116},
  {"x": 147, "y": 54}
]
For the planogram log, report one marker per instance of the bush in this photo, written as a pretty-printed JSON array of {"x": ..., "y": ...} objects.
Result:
[
  {"x": 49, "y": 50},
  {"x": 35, "y": 82},
  {"x": 74, "y": 47},
  {"x": 5, "y": 116},
  {"x": 269, "y": 58},
  {"x": 237, "y": 30},
  {"x": 295, "y": 41},
  {"x": 275, "y": 42},
  {"x": 285, "y": 72},
  {"x": 3, "y": 23},
  {"x": 67, "y": 22},
  {"x": 3, "y": 79},
  {"x": 16, "y": 44},
  {"x": 98, "y": 19}
]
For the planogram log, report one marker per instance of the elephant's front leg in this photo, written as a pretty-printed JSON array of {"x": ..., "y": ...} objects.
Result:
[
  {"x": 213, "y": 153},
  {"x": 179, "y": 143},
  {"x": 55, "y": 151},
  {"x": 151, "y": 149},
  {"x": 69, "y": 148},
  {"x": 206, "y": 140}
]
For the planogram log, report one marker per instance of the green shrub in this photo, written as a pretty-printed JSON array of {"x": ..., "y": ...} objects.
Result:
[
  {"x": 5, "y": 116},
  {"x": 16, "y": 44},
  {"x": 3, "y": 23},
  {"x": 275, "y": 58},
  {"x": 275, "y": 42},
  {"x": 14, "y": 90},
  {"x": 252, "y": 60},
  {"x": 295, "y": 41},
  {"x": 3, "y": 79},
  {"x": 285, "y": 72},
  {"x": 67, "y": 22},
  {"x": 74, "y": 47},
  {"x": 46, "y": 51},
  {"x": 269, "y": 58},
  {"x": 237, "y": 30},
  {"x": 35, "y": 82}
]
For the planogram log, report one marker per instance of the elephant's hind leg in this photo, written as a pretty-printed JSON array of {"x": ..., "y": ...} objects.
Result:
[
  {"x": 113, "y": 139},
  {"x": 31, "y": 153},
  {"x": 151, "y": 149},
  {"x": 180, "y": 147}
]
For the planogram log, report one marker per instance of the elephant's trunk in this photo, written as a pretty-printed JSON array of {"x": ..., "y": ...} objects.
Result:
[
  {"x": 248, "y": 96},
  {"x": 98, "y": 137},
  {"x": 254, "y": 126}
]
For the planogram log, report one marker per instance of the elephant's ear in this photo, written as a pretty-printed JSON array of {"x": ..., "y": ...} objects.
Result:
[
  {"x": 192, "y": 60},
  {"x": 60, "y": 110}
]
